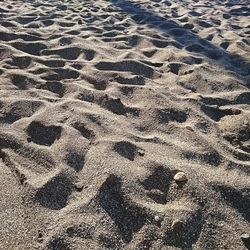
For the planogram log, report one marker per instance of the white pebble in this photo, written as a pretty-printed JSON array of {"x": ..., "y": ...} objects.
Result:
[
  {"x": 180, "y": 177},
  {"x": 157, "y": 218}
]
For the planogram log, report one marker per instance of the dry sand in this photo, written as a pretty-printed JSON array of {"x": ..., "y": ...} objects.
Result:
[{"x": 102, "y": 103}]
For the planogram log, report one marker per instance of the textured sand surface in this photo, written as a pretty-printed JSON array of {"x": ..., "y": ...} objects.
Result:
[{"x": 102, "y": 103}]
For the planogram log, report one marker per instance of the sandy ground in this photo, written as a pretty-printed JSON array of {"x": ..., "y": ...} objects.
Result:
[{"x": 124, "y": 124}]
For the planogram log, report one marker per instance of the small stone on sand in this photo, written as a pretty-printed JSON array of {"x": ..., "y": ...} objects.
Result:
[
  {"x": 245, "y": 236},
  {"x": 180, "y": 177},
  {"x": 141, "y": 152},
  {"x": 157, "y": 218}
]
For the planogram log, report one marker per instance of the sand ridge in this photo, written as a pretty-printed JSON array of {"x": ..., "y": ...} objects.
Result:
[{"x": 124, "y": 124}]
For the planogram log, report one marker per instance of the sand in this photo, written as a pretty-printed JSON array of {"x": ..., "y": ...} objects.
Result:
[{"x": 124, "y": 124}]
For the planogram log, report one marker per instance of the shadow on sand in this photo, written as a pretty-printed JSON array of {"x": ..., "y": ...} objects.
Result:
[{"x": 186, "y": 39}]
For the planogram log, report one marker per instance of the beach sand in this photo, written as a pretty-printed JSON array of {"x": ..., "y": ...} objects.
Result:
[{"x": 124, "y": 124}]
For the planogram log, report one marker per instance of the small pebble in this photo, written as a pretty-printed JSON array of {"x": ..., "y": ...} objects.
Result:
[
  {"x": 180, "y": 177},
  {"x": 157, "y": 218},
  {"x": 141, "y": 152},
  {"x": 245, "y": 236},
  {"x": 246, "y": 239}
]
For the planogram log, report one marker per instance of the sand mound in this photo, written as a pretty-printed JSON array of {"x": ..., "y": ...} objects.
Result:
[{"x": 124, "y": 124}]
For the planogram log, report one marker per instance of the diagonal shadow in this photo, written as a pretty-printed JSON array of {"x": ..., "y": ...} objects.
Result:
[{"x": 185, "y": 38}]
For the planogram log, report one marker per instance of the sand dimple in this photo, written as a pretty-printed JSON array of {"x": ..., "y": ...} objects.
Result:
[
  {"x": 55, "y": 87},
  {"x": 127, "y": 149},
  {"x": 236, "y": 130},
  {"x": 43, "y": 134},
  {"x": 12, "y": 112},
  {"x": 124, "y": 124},
  {"x": 112, "y": 200},
  {"x": 67, "y": 53},
  {"x": 54, "y": 194},
  {"x": 131, "y": 66}
]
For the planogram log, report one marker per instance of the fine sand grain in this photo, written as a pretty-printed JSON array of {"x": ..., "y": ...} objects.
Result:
[{"x": 124, "y": 124}]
